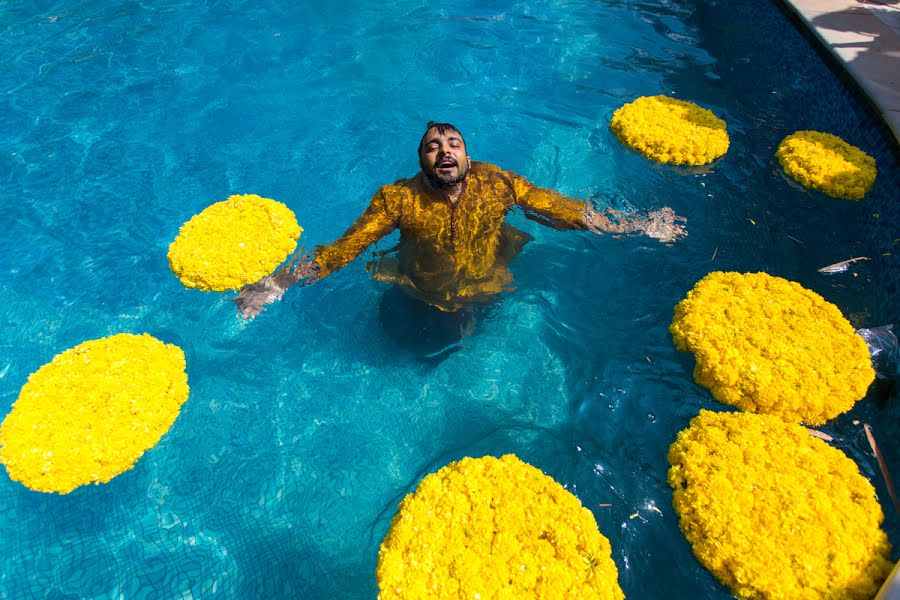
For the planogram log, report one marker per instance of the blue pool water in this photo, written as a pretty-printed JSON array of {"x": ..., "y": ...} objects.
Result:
[{"x": 305, "y": 427}]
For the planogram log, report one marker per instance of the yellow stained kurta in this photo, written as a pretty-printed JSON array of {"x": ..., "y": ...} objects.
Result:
[{"x": 451, "y": 255}]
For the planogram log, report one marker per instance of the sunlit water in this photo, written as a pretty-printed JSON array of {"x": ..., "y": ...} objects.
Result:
[{"x": 305, "y": 427}]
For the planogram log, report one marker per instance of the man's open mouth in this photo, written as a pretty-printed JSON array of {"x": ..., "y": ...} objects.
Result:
[{"x": 446, "y": 163}]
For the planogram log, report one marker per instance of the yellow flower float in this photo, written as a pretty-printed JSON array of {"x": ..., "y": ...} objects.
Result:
[
  {"x": 775, "y": 513},
  {"x": 826, "y": 163},
  {"x": 670, "y": 131},
  {"x": 92, "y": 411},
  {"x": 768, "y": 345},
  {"x": 494, "y": 529},
  {"x": 234, "y": 242}
]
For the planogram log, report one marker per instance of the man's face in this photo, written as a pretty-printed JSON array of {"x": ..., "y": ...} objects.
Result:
[{"x": 443, "y": 158}]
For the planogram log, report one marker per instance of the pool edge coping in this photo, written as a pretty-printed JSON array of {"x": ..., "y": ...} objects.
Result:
[{"x": 835, "y": 24}]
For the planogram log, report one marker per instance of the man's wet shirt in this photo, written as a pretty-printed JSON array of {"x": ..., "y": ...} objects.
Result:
[{"x": 451, "y": 254}]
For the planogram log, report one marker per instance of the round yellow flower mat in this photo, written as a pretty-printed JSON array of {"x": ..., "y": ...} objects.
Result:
[
  {"x": 768, "y": 345},
  {"x": 670, "y": 131},
  {"x": 494, "y": 528},
  {"x": 234, "y": 242},
  {"x": 773, "y": 512},
  {"x": 92, "y": 411},
  {"x": 827, "y": 163}
]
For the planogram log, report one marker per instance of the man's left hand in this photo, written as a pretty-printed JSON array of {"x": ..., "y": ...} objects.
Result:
[{"x": 664, "y": 225}]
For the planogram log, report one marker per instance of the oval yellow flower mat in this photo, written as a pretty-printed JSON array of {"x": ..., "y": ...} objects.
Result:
[
  {"x": 774, "y": 512},
  {"x": 494, "y": 528},
  {"x": 670, "y": 131},
  {"x": 769, "y": 345},
  {"x": 827, "y": 163},
  {"x": 92, "y": 411},
  {"x": 234, "y": 242}
]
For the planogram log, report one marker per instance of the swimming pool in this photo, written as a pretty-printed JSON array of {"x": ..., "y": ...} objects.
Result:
[{"x": 305, "y": 427}]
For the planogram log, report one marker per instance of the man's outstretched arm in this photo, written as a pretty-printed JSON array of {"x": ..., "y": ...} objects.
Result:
[
  {"x": 378, "y": 220},
  {"x": 546, "y": 206},
  {"x": 561, "y": 212}
]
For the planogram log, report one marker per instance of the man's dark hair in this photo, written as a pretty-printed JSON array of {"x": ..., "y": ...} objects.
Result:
[{"x": 442, "y": 128}]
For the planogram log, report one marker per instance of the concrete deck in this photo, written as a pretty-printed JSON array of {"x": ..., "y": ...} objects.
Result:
[{"x": 865, "y": 36}]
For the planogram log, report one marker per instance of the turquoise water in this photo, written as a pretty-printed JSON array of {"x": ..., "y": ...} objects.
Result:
[{"x": 305, "y": 427}]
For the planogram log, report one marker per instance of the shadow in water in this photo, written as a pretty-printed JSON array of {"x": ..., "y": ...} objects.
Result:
[{"x": 429, "y": 334}]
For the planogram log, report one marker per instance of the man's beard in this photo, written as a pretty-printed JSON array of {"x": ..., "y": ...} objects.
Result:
[{"x": 445, "y": 184}]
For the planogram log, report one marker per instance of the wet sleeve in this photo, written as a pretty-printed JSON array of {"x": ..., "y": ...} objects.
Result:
[
  {"x": 546, "y": 206},
  {"x": 378, "y": 220}
]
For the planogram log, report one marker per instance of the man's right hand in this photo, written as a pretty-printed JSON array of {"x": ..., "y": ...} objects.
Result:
[{"x": 253, "y": 297}]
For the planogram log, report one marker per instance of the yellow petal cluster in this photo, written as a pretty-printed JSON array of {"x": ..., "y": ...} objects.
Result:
[
  {"x": 775, "y": 513},
  {"x": 670, "y": 131},
  {"x": 827, "y": 163},
  {"x": 92, "y": 411},
  {"x": 233, "y": 243},
  {"x": 494, "y": 529},
  {"x": 768, "y": 345}
]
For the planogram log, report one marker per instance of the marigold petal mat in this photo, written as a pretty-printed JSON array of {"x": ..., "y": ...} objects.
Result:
[
  {"x": 494, "y": 528},
  {"x": 670, "y": 131},
  {"x": 234, "y": 242},
  {"x": 826, "y": 163},
  {"x": 774, "y": 512},
  {"x": 92, "y": 411},
  {"x": 769, "y": 345}
]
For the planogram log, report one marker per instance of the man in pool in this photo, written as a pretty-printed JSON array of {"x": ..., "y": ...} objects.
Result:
[{"x": 455, "y": 246}]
